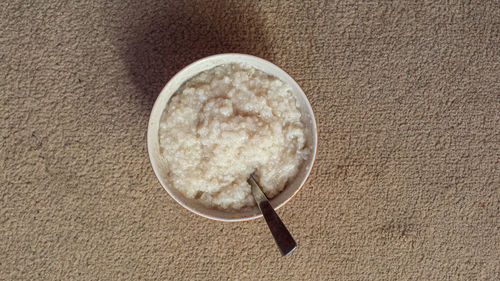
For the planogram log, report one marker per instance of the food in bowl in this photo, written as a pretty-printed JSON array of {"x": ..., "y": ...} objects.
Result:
[{"x": 223, "y": 124}]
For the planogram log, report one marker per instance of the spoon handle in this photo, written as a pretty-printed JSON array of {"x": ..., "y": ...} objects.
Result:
[{"x": 282, "y": 236}]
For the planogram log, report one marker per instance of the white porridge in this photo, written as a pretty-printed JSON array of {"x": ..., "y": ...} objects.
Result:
[{"x": 223, "y": 124}]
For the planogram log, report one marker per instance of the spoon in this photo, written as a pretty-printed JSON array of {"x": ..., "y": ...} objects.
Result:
[{"x": 282, "y": 237}]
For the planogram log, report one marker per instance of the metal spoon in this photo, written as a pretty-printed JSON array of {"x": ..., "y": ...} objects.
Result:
[{"x": 282, "y": 237}]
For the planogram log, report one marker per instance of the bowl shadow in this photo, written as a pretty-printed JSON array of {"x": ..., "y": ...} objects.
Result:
[{"x": 163, "y": 42}]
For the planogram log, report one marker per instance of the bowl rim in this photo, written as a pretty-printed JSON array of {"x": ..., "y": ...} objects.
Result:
[{"x": 215, "y": 57}]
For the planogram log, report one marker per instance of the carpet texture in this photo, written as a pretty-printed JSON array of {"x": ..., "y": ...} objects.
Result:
[{"x": 406, "y": 185}]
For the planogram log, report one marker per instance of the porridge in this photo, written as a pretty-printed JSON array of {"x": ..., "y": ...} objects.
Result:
[{"x": 223, "y": 124}]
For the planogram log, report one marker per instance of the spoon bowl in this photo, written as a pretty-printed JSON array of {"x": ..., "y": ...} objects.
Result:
[{"x": 160, "y": 167}]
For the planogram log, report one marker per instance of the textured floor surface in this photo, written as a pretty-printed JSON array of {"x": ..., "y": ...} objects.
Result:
[{"x": 407, "y": 180}]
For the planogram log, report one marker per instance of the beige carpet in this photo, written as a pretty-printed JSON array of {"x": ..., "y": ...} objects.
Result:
[{"x": 406, "y": 184}]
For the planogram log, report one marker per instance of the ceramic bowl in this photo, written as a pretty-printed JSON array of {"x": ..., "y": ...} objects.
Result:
[{"x": 160, "y": 167}]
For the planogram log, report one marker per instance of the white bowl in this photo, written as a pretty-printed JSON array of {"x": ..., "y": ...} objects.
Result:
[{"x": 175, "y": 83}]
